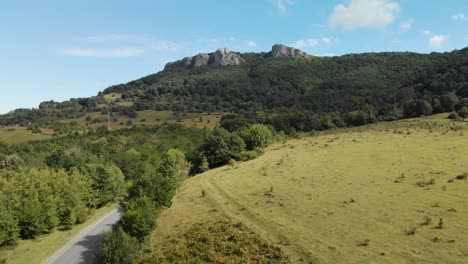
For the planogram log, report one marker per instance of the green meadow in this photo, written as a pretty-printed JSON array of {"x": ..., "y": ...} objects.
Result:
[{"x": 385, "y": 193}]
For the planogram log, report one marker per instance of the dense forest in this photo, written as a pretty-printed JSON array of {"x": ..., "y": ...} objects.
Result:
[
  {"x": 357, "y": 88},
  {"x": 57, "y": 183}
]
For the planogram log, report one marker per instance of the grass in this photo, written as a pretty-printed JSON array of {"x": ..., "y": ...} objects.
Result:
[
  {"x": 16, "y": 135},
  {"x": 39, "y": 249},
  {"x": 152, "y": 117},
  {"x": 298, "y": 195}
]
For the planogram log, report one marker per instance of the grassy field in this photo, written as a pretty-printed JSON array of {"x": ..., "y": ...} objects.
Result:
[
  {"x": 39, "y": 249},
  {"x": 384, "y": 193},
  {"x": 16, "y": 135},
  {"x": 152, "y": 117}
]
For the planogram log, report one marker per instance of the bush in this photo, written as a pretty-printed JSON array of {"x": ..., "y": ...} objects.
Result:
[
  {"x": 454, "y": 116},
  {"x": 118, "y": 248},
  {"x": 256, "y": 136},
  {"x": 248, "y": 155},
  {"x": 139, "y": 218},
  {"x": 463, "y": 112},
  {"x": 221, "y": 146}
]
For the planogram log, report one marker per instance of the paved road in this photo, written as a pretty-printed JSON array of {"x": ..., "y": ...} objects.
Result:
[{"x": 84, "y": 246}]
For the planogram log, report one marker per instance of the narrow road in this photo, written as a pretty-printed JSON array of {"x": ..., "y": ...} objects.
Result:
[{"x": 84, "y": 246}]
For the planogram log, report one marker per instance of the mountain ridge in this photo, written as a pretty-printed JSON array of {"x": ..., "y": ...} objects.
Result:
[{"x": 387, "y": 83}]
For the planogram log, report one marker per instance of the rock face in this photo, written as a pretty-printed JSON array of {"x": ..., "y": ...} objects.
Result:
[
  {"x": 224, "y": 57},
  {"x": 221, "y": 57},
  {"x": 282, "y": 51}
]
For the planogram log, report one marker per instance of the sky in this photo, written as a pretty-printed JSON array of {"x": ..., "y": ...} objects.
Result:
[{"x": 56, "y": 50}]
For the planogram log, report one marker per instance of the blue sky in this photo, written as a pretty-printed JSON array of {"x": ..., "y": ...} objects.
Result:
[{"x": 55, "y": 50}]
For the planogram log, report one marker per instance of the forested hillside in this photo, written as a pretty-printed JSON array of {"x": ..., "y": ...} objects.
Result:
[{"x": 383, "y": 86}]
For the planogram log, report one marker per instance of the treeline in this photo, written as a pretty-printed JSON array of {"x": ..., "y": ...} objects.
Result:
[{"x": 57, "y": 183}]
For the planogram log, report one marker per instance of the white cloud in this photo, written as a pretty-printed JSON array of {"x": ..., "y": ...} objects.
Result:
[
  {"x": 437, "y": 41},
  {"x": 459, "y": 17},
  {"x": 110, "y": 38},
  {"x": 326, "y": 40},
  {"x": 252, "y": 44},
  {"x": 304, "y": 43},
  {"x": 427, "y": 32},
  {"x": 406, "y": 25},
  {"x": 282, "y": 5},
  {"x": 104, "y": 53},
  {"x": 364, "y": 14},
  {"x": 466, "y": 38}
]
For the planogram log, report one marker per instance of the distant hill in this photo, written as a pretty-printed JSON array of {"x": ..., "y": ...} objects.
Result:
[{"x": 391, "y": 85}]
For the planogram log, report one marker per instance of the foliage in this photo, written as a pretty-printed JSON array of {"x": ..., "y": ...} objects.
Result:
[
  {"x": 56, "y": 183},
  {"x": 9, "y": 230},
  {"x": 387, "y": 81},
  {"x": 160, "y": 183},
  {"x": 463, "y": 112},
  {"x": 139, "y": 218},
  {"x": 221, "y": 146},
  {"x": 219, "y": 242},
  {"x": 118, "y": 248},
  {"x": 256, "y": 136}
]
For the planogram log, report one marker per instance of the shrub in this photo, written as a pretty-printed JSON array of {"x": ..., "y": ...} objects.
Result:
[
  {"x": 219, "y": 242},
  {"x": 248, "y": 155},
  {"x": 256, "y": 136},
  {"x": 221, "y": 146},
  {"x": 454, "y": 116},
  {"x": 139, "y": 218},
  {"x": 463, "y": 112},
  {"x": 463, "y": 176},
  {"x": 118, "y": 248}
]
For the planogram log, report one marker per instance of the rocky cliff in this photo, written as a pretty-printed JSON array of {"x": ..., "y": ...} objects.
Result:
[
  {"x": 221, "y": 57},
  {"x": 225, "y": 57},
  {"x": 282, "y": 51}
]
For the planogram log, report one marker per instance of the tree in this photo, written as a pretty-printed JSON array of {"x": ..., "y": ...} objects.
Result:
[
  {"x": 118, "y": 248},
  {"x": 463, "y": 112},
  {"x": 139, "y": 218},
  {"x": 418, "y": 108},
  {"x": 221, "y": 146},
  {"x": 9, "y": 230},
  {"x": 160, "y": 183},
  {"x": 204, "y": 165},
  {"x": 256, "y": 136},
  {"x": 108, "y": 182},
  {"x": 448, "y": 101}
]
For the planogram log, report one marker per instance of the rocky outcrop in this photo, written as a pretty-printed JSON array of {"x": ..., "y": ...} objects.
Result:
[
  {"x": 282, "y": 51},
  {"x": 221, "y": 57},
  {"x": 225, "y": 57}
]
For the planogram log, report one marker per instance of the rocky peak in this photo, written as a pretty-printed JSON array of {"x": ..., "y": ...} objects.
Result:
[
  {"x": 282, "y": 51},
  {"x": 221, "y": 57},
  {"x": 225, "y": 57}
]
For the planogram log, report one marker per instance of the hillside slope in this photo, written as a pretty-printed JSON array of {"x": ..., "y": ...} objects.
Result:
[
  {"x": 226, "y": 81},
  {"x": 373, "y": 194}
]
